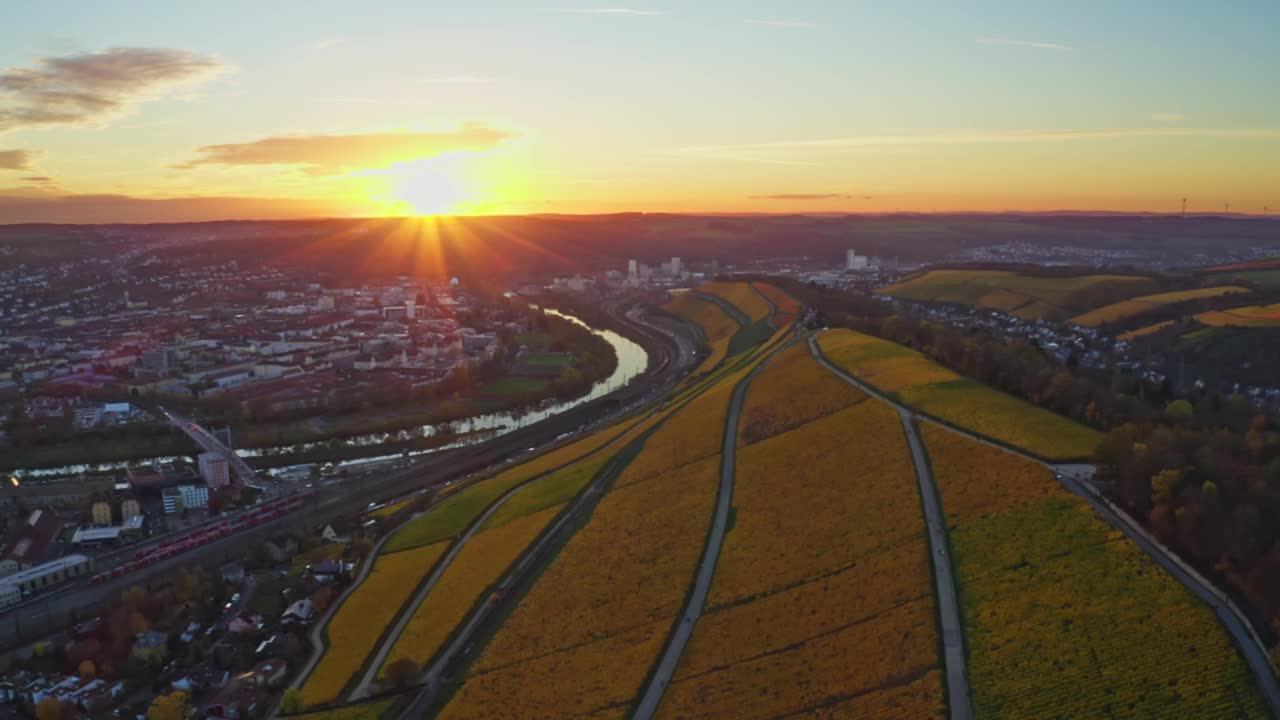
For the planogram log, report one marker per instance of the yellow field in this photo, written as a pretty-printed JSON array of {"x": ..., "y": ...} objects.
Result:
[
  {"x": 930, "y": 388},
  {"x": 1064, "y": 616},
  {"x": 1002, "y": 417},
  {"x": 603, "y": 607},
  {"x": 773, "y": 403},
  {"x": 457, "y": 509},
  {"x": 716, "y": 325},
  {"x": 817, "y": 499},
  {"x": 1252, "y": 316},
  {"x": 354, "y": 629},
  {"x": 787, "y": 307},
  {"x": 1147, "y": 303},
  {"x": 477, "y": 566},
  {"x": 1144, "y": 331},
  {"x": 391, "y": 509},
  {"x": 887, "y": 366},
  {"x": 741, "y": 296},
  {"x": 823, "y": 589},
  {"x": 1028, "y": 297}
]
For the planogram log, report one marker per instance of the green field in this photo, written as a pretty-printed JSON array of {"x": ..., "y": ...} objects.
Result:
[
  {"x": 1266, "y": 279},
  {"x": 550, "y": 359},
  {"x": 514, "y": 386},
  {"x": 1025, "y": 296},
  {"x": 534, "y": 341}
]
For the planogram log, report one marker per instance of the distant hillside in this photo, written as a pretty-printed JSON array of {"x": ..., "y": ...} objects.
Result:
[
  {"x": 509, "y": 247},
  {"x": 1027, "y": 296}
]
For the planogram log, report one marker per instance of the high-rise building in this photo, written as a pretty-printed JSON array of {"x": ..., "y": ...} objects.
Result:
[
  {"x": 214, "y": 469},
  {"x": 675, "y": 265},
  {"x": 160, "y": 360},
  {"x": 633, "y": 270},
  {"x": 410, "y": 309},
  {"x": 101, "y": 513},
  {"x": 854, "y": 261}
]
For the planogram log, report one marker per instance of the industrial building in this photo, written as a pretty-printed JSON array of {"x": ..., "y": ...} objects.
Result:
[{"x": 36, "y": 578}]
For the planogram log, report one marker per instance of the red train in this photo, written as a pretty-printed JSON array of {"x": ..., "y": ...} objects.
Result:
[{"x": 206, "y": 534}]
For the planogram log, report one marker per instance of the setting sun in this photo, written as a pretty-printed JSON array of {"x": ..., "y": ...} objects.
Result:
[{"x": 430, "y": 187}]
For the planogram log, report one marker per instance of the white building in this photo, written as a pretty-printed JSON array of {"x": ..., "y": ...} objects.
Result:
[
  {"x": 633, "y": 271},
  {"x": 411, "y": 309},
  {"x": 854, "y": 261},
  {"x": 215, "y": 470},
  {"x": 185, "y": 497},
  {"x": 39, "y": 577}
]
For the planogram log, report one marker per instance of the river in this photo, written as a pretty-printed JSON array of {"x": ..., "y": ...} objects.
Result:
[{"x": 632, "y": 362}]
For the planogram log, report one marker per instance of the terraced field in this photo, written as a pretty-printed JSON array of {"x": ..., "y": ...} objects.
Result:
[
  {"x": 1251, "y": 316},
  {"x": 786, "y": 307},
  {"x": 1064, "y": 616},
  {"x": 1024, "y": 296},
  {"x": 1138, "y": 306},
  {"x": 822, "y": 599},
  {"x": 716, "y": 325},
  {"x": 581, "y": 642},
  {"x": 1145, "y": 331},
  {"x": 920, "y": 383},
  {"x": 741, "y": 296},
  {"x": 354, "y": 630}
]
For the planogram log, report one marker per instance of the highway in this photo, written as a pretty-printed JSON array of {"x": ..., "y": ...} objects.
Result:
[
  {"x": 651, "y": 698},
  {"x": 74, "y": 601},
  {"x": 1073, "y": 478}
]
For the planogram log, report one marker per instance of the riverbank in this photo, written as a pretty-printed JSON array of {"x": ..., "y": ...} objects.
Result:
[{"x": 388, "y": 432}]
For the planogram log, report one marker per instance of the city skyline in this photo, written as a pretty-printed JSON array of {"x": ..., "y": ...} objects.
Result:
[{"x": 150, "y": 112}]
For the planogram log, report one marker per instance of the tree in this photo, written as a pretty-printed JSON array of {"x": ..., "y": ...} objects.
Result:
[
  {"x": 1164, "y": 484},
  {"x": 87, "y": 670},
  {"x": 291, "y": 703},
  {"x": 168, "y": 707},
  {"x": 1179, "y": 411},
  {"x": 402, "y": 672}
]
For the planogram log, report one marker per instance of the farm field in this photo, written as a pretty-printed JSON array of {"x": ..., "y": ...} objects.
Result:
[
  {"x": 1064, "y": 616},
  {"x": 1145, "y": 331},
  {"x": 1024, "y": 296},
  {"x": 916, "y": 381},
  {"x": 789, "y": 392},
  {"x": 1267, "y": 279},
  {"x": 741, "y": 296},
  {"x": 478, "y": 566},
  {"x": 716, "y": 325},
  {"x": 1251, "y": 316},
  {"x": 455, "y": 511},
  {"x": 355, "y": 628},
  {"x": 786, "y": 306},
  {"x": 1139, "y": 306},
  {"x": 823, "y": 589},
  {"x": 582, "y": 640}
]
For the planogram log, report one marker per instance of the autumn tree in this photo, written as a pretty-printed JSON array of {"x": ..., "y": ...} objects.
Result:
[
  {"x": 169, "y": 707},
  {"x": 402, "y": 672}
]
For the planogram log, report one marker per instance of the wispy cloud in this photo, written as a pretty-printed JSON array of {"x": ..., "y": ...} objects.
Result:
[
  {"x": 16, "y": 159},
  {"x": 38, "y": 179},
  {"x": 802, "y": 196},
  {"x": 333, "y": 154},
  {"x": 86, "y": 87},
  {"x": 329, "y": 42},
  {"x": 1168, "y": 117},
  {"x": 604, "y": 11},
  {"x": 784, "y": 23},
  {"x": 1024, "y": 43},
  {"x": 458, "y": 79},
  {"x": 785, "y": 152}
]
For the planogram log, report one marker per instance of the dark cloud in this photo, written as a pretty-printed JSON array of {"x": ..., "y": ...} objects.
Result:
[
  {"x": 330, "y": 154},
  {"x": 89, "y": 86},
  {"x": 803, "y": 196},
  {"x": 16, "y": 159}
]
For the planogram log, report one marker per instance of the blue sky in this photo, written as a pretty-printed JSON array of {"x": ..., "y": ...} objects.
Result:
[{"x": 682, "y": 106}]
